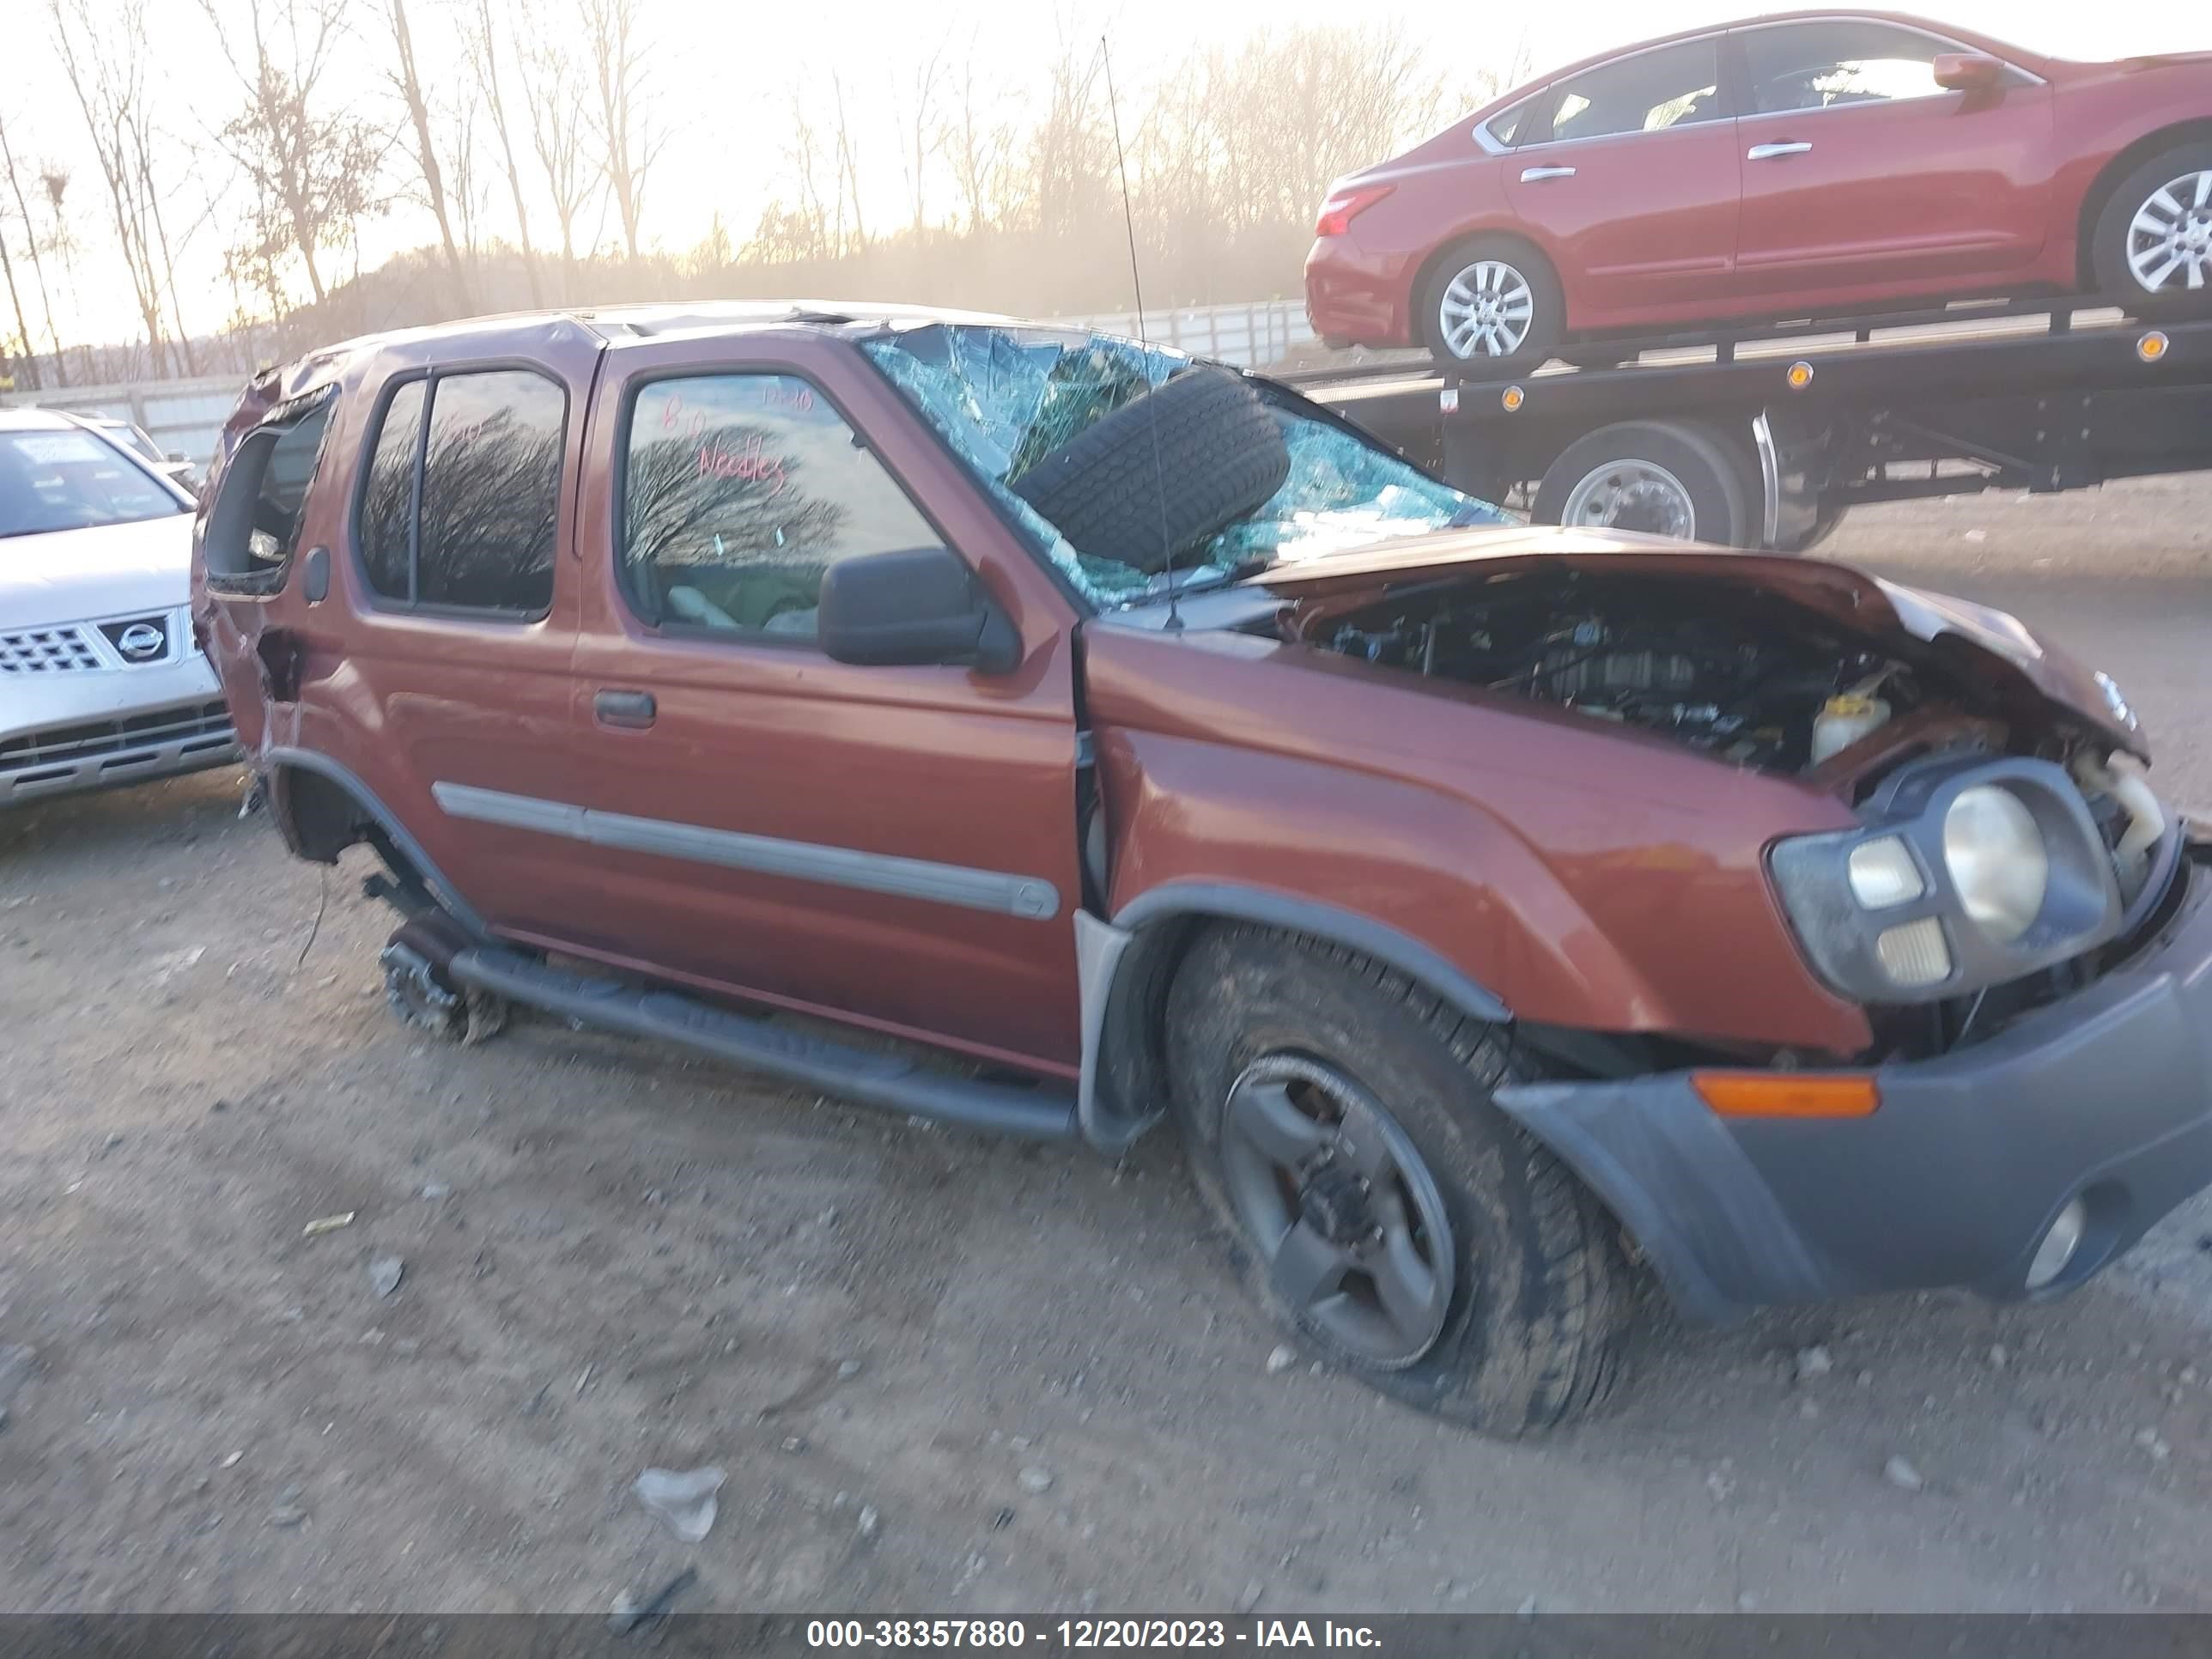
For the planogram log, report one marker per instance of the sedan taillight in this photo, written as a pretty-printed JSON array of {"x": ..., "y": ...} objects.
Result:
[{"x": 1340, "y": 209}]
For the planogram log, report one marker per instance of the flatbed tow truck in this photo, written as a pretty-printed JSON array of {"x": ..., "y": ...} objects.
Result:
[{"x": 1764, "y": 437}]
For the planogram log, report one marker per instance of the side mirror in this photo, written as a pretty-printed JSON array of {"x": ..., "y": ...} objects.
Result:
[
  {"x": 1968, "y": 71},
  {"x": 919, "y": 605}
]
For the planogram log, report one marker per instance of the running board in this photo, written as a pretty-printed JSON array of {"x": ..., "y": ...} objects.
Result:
[{"x": 889, "y": 1080}]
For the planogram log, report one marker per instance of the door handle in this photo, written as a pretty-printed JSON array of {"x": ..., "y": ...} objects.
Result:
[
  {"x": 1768, "y": 152},
  {"x": 631, "y": 708},
  {"x": 1533, "y": 175}
]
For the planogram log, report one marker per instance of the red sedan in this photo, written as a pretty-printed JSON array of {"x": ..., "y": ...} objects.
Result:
[{"x": 1806, "y": 165}]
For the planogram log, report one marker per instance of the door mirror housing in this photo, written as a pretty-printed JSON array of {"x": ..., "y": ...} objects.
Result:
[
  {"x": 913, "y": 605},
  {"x": 1968, "y": 71}
]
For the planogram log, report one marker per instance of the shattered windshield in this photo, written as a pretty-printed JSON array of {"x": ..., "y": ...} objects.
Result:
[{"x": 1006, "y": 399}]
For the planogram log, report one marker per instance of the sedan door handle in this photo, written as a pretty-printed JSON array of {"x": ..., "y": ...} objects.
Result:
[
  {"x": 1533, "y": 175},
  {"x": 631, "y": 708},
  {"x": 1768, "y": 152}
]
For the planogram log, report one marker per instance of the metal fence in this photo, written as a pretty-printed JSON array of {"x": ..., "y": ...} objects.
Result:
[
  {"x": 1252, "y": 336},
  {"x": 185, "y": 417}
]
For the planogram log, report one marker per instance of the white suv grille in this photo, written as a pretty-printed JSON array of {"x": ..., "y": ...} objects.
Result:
[{"x": 49, "y": 651}]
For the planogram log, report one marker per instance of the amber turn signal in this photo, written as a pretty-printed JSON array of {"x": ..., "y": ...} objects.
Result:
[
  {"x": 2152, "y": 345},
  {"x": 1787, "y": 1094},
  {"x": 1799, "y": 375},
  {"x": 1512, "y": 398}
]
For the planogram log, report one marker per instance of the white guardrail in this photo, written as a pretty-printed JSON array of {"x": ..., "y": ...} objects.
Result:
[{"x": 185, "y": 417}]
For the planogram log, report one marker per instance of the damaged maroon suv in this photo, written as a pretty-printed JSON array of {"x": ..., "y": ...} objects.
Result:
[{"x": 1501, "y": 914}]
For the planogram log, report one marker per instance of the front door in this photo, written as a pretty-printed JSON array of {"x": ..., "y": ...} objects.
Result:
[
  {"x": 891, "y": 846},
  {"x": 1862, "y": 175},
  {"x": 1631, "y": 178}
]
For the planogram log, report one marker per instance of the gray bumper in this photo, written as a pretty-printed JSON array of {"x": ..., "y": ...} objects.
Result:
[{"x": 2107, "y": 1096}]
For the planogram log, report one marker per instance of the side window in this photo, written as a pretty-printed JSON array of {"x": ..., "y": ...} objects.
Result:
[
  {"x": 1672, "y": 87},
  {"x": 1807, "y": 66},
  {"x": 466, "y": 521},
  {"x": 387, "y": 509},
  {"x": 738, "y": 491},
  {"x": 1510, "y": 126},
  {"x": 253, "y": 529}
]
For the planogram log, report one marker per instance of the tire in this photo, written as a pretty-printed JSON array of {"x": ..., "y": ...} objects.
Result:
[
  {"x": 1679, "y": 478},
  {"x": 1531, "y": 1295},
  {"x": 2112, "y": 242},
  {"x": 1163, "y": 473},
  {"x": 1464, "y": 274}
]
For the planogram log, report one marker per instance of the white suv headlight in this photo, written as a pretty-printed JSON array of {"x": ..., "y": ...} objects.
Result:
[{"x": 1998, "y": 860}]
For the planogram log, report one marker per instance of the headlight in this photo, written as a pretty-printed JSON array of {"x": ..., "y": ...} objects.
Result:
[
  {"x": 1965, "y": 871},
  {"x": 1997, "y": 860}
]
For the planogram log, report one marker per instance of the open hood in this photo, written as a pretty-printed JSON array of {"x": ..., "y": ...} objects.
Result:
[{"x": 1996, "y": 645}]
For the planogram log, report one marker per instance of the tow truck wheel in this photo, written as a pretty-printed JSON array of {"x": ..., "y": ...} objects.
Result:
[
  {"x": 2152, "y": 248},
  {"x": 1493, "y": 302},
  {"x": 1339, "y": 1123},
  {"x": 1683, "y": 479}
]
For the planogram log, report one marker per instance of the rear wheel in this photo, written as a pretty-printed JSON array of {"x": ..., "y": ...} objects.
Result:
[
  {"x": 1492, "y": 302},
  {"x": 1683, "y": 479},
  {"x": 1339, "y": 1122},
  {"x": 2152, "y": 252}
]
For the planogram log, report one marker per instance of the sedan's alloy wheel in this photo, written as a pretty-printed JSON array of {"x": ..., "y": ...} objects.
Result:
[
  {"x": 2170, "y": 238},
  {"x": 1485, "y": 310}
]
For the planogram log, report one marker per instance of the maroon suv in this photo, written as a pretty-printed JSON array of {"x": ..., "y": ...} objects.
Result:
[{"x": 1500, "y": 913}]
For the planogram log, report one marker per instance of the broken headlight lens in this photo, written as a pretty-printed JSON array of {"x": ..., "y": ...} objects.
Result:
[{"x": 1997, "y": 861}]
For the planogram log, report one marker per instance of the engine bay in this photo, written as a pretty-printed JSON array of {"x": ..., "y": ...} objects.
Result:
[{"x": 1739, "y": 673}]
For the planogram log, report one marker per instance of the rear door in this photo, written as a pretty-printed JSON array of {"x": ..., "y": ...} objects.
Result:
[
  {"x": 1859, "y": 171},
  {"x": 1629, "y": 171},
  {"x": 891, "y": 845},
  {"x": 458, "y": 617}
]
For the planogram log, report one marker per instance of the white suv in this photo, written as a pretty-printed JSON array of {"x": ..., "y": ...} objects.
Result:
[{"x": 100, "y": 682}]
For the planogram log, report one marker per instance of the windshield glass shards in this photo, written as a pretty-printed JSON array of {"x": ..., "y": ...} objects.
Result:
[{"x": 1019, "y": 404}]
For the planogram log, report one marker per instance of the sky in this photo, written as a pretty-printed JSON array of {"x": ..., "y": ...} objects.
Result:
[{"x": 720, "y": 77}]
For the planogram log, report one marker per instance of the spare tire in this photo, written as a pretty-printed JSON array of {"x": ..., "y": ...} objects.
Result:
[{"x": 1163, "y": 473}]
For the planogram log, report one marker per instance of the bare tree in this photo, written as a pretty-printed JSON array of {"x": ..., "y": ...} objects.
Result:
[
  {"x": 484, "y": 62},
  {"x": 27, "y": 350},
  {"x": 106, "y": 71},
  {"x": 626, "y": 141},
  {"x": 552, "y": 88},
  {"x": 849, "y": 172},
  {"x": 313, "y": 166},
  {"x": 977, "y": 142},
  {"x": 408, "y": 85},
  {"x": 1067, "y": 181},
  {"x": 922, "y": 138},
  {"x": 32, "y": 241}
]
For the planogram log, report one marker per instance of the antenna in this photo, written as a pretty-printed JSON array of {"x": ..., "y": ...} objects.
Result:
[{"x": 1137, "y": 282}]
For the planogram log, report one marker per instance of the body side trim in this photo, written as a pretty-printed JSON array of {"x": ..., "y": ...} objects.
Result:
[{"x": 1027, "y": 897}]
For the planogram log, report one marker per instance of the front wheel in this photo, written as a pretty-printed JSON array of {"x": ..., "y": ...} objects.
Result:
[
  {"x": 1339, "y": 1123},
  {"x": 2152, "y": 248},
  {"x": 1493, "y": 302}
]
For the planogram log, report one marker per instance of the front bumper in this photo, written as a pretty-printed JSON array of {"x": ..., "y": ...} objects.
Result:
[
  {"x": 2106, "y": 1096},
  {"x": 64, "y": 732}
]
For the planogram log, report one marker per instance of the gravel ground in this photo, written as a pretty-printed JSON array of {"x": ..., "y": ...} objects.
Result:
[{"x": 941, "y": 1373}]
